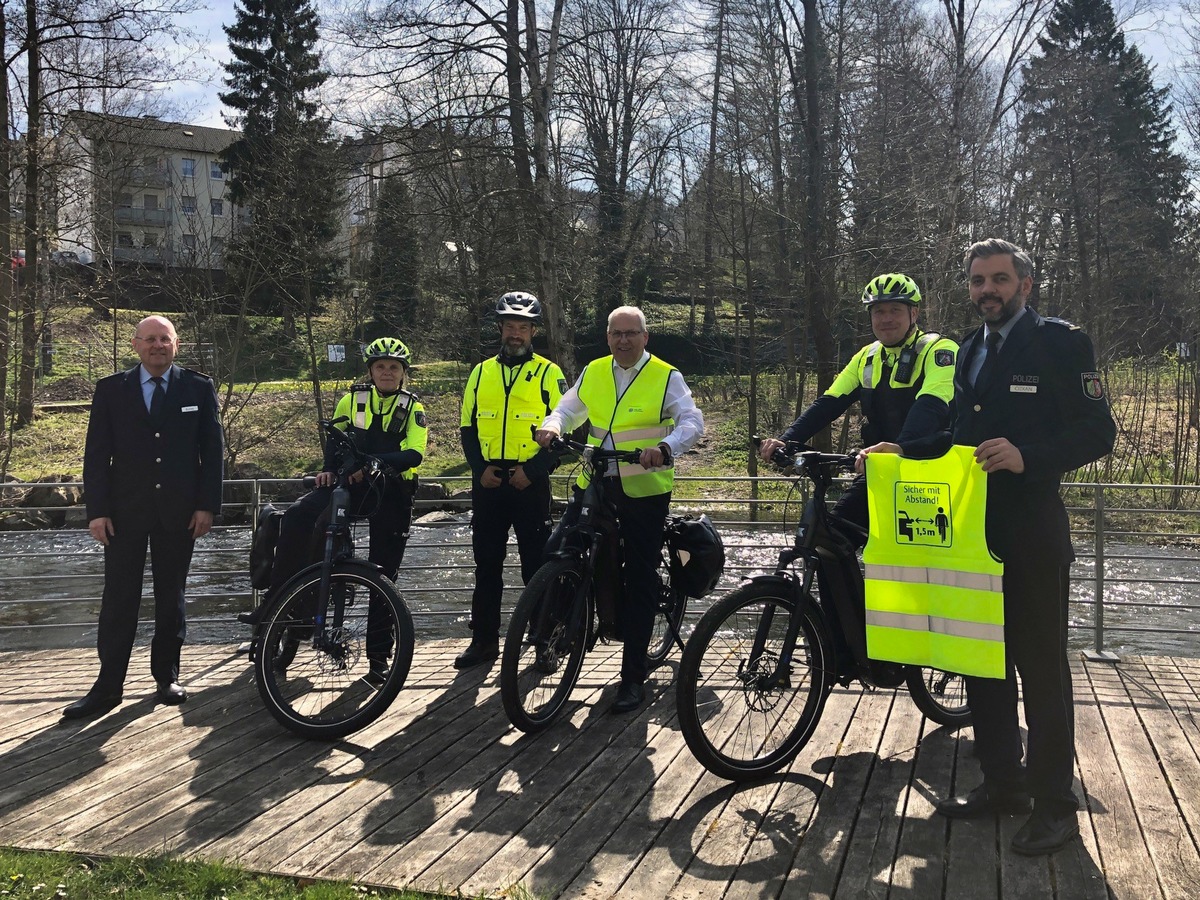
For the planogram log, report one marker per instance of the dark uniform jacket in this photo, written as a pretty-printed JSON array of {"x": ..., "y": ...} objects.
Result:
[
  {"x": 1045, "y": 396},
  {"x": 153, "y": 470}
]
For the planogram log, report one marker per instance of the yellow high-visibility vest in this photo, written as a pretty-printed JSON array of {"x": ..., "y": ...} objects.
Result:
[
  {"x": 504, "y": 401},
  {"x": 934, "y": 592},
  {"x": 635, "y": 420}
]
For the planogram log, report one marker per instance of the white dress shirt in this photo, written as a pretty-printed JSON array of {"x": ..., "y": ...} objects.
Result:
[{"x": 571, "y": 412}]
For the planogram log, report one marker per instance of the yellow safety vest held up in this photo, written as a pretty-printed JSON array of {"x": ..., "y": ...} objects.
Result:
[
  {"x": 934, "y": 592},
  {"x": 635, "y": 420}
]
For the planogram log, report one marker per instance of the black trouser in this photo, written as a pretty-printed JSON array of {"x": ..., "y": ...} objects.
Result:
[
  {"x": 852, "y": 506},
  {"x": 641, "y": 522},
  {"x": 494, "y": 511},
  {"x": 124, "y": 562},
  {"x": 1035, "y": 635}
]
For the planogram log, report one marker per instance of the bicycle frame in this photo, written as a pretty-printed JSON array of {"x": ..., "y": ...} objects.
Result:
[{"x": 824, "y": 548}]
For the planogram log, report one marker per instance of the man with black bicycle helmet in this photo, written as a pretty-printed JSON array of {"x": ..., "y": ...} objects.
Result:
[
  {"x": 388, "y": 422},
  {"x": 632, "y": 401},
  {"x": 507, "y": 396},
  {"x": 903, "y": 380}
]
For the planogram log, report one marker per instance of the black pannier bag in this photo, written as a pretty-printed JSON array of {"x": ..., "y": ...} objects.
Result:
[
  {"x": 262, "y": 547},
  {"x": 697, "y": 554}
]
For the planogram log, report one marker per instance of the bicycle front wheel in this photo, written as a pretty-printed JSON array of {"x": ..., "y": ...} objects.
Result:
[
  {"x": 326, "y": 682},
  {"x": 742, "y": 712},
  {"x": 940, "y": 696},
  {"x": 544, "y": 646},
  {"x": 672, "y": 604}
]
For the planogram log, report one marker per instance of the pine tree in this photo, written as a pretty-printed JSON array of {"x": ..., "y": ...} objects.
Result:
[
  {"x": 283, "y": 168},
  {"x": 395, "y": 273},
  {"x": 1106, "y": 186}
]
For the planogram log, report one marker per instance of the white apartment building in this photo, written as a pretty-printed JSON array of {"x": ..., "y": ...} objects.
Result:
[{"x": 143, "y": 192}]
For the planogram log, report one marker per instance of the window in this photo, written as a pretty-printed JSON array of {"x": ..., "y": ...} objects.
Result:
[
  {"x": 218, "y": 247},
  {"x": 125, "y": 239},
  {"x": 189, "y": 168},
  {"x": 189, "y": 242},
  {"x": 125, "y": 201},
  {"x": 150, "y": 201},
  {"x": 216, "y": 207},
  {"x": 187, "y": 203},
  {"x": 214, "y": 170},
  {"x": 149, "y": 239}
]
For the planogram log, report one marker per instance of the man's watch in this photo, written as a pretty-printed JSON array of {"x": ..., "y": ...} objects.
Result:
[{"x": 666, "y": 452}]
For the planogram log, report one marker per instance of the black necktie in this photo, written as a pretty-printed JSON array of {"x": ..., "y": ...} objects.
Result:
[
  {"x": 989, "y": 360},
  {"x": 160, "y": 394}
]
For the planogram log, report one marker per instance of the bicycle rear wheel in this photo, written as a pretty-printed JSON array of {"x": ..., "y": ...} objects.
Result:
[
  {"x": 672, "y": 604},
  {"x": 544, "y": 646},
  {"x": 326, "y": 683},
  {"x": 940, "y": 696},
  {"x": 742, "y": 717}
]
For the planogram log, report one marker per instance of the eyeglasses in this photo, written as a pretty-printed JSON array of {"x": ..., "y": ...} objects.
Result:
[
  {"x": 159, "y": 339},
  {"x": 624, "y": 335}
]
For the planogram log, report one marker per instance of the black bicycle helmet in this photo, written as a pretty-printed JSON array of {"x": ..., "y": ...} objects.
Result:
[{"x": 518, "y": 305}]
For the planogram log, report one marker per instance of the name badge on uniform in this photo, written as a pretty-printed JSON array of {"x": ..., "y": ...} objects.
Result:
[
  {"x": 190, "y": 409},
  {"x": 1022, "y": 388}
]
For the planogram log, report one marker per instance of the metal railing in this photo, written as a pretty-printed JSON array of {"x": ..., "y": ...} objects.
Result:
[{"x": 1136, "y": 583}]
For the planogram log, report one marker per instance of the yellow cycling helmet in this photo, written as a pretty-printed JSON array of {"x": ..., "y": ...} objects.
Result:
[
  {"x": 387, "y": 348},
  {"x": 891, "y": 288}
]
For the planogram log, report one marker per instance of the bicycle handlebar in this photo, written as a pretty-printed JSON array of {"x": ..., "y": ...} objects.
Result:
[
  {"x": 795, "y": 454},
  {"x": 563, "y": 445}
]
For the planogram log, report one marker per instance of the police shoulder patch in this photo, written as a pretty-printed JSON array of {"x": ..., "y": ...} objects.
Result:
[
  {"x": 562, "y": 385},
  {"x": 421, "y": 420},
  {"x": 1093, "y": 388},
  {"x": 943, "y": 357}
]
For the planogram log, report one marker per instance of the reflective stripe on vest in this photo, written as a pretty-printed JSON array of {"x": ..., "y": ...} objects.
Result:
[
  {"x": 934, "y": 592},
  {"x": 503, "y": 418},
  {"x": 634, "y": 421}
]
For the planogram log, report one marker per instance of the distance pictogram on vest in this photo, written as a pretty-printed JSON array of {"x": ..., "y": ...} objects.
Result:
[{"x": 934, "y": 592}]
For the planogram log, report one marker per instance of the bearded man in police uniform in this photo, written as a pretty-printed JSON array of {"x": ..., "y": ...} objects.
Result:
[
  {"x": 1029, "y": 398},
  {"x": 506, "y": 397}
]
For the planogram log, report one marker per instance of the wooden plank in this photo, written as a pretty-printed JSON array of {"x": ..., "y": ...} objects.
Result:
[
  {"x": 1141, "y": 730},
  {"x": 922, "y": 853},
  {"x": 1123, "y": 855}
]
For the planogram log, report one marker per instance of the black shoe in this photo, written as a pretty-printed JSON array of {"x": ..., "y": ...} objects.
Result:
[
  {"x": 1045, "y": 833},
  {"x": 91, "y": 705},
  {"x": 629, "y": 697},
  {"x": 378, "y": 675},
  {"x": 546, "y": 661},
  {"x": 477, "y": 652},
  {"x": 982, "y": 802},
  {"x": 171, "y": 693}
]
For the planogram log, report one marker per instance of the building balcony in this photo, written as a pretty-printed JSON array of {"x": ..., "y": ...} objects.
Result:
[
  {"x": 134, "y": 215},
  {"x": 136, "y": 177},
  {"x": 140, "y": 254}
]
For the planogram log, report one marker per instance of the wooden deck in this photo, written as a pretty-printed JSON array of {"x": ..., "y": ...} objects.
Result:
[{"x": 444, "y": 796}]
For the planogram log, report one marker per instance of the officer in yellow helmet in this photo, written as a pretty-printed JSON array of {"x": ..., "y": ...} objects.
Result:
[
  {"x": 506, "y": 397},
  {"x": 389, "y": 423},
  {"x": 904, "y": 381},
  {"x": 632, "y": 400}
]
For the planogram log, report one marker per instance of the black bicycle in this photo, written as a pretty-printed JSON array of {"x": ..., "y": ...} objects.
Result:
[
  {"x": 335, "y": 644},
  {"x": 555, "y": 621},
  {"x": 760, "y": 663}
]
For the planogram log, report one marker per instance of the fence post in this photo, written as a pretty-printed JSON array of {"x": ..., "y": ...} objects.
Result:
[{"x": 1098, "y": 653}]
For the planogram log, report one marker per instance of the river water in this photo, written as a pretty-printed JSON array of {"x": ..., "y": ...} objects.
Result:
[{"x": 52, "y": 582}]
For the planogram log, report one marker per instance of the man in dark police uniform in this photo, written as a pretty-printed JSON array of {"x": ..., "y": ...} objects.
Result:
[
  {"x": 152, "y": 472},
  {"x": 1029, "y": 398}
]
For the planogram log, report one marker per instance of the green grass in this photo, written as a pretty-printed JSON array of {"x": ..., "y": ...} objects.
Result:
[{"x": 48, "y": 875}]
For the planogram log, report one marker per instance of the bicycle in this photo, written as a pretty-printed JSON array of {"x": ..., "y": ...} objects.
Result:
[
  {"x": 335, "y": 645},
  {"x": 554, "y": 623},
  {"x": 760, "y": 663}
]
